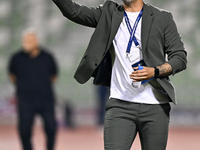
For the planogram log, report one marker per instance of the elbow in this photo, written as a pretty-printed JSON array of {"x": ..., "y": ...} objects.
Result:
[
  {"x": 71, "y": 15},
  {"x": 66, "y": 7},
  {"x": 178, "y": 64},
  {"x": 184, "y": 61}
]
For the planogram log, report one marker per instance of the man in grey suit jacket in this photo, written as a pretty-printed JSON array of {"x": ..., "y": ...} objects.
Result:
[{"x": 154, "y": 44}]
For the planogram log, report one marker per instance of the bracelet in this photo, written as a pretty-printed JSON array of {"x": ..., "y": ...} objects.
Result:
[{"x": 156, "y": 72}]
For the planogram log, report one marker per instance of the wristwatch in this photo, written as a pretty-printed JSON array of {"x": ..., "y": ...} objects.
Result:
[{"x": 156, "y": 72}]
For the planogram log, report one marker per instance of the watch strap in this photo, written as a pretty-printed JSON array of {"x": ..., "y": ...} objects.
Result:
[{"x": 156, "y": 72}]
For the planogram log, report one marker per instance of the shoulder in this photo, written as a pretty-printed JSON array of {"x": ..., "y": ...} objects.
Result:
[
  {"x": 109, "y": 4},
  {"x": 158, "y": 11},
  {"x": 46, "y": 53},
  {"x": 162, "y": 16},
  {"x": 17, "y": 54}
]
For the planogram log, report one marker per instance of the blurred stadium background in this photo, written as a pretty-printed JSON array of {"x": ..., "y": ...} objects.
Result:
[{"x": 68, "y": 41}]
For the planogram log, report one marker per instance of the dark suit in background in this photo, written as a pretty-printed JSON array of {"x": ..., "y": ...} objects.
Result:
[{"x": 34, "y": 94}]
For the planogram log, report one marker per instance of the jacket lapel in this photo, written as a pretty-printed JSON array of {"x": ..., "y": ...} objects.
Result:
[
  {"x": 117, "y": 17},
  {"x": 147, "y": 19}
]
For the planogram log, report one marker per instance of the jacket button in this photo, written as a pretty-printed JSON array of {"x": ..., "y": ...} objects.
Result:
[{"x": 96, "y": 64}]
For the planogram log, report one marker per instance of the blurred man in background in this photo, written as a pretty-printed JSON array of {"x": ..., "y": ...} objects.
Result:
[{"x": 33, "y": 71}]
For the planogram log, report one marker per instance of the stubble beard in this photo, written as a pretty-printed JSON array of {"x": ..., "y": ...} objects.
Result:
[{"x": 127, "y": 2}]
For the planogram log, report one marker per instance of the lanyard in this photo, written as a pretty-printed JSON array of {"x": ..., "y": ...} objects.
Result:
[{"x": 132, "y": 31}]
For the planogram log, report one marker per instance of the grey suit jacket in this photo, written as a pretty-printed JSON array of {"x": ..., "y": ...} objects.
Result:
[{"x": 159, "y": 35}]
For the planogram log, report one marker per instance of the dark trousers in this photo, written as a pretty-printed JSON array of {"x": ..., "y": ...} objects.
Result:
[
  {"x": 124, "y": 120},
  {"x": 26, "y": 113}
]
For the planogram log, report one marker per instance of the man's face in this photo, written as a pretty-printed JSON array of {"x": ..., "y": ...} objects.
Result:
[
  {"x": 29, "y": 42},
  {"x": 127, "y": 2}
]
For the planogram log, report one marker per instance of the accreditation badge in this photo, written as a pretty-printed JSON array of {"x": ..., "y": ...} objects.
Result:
[{"x": 133, "y": 56}]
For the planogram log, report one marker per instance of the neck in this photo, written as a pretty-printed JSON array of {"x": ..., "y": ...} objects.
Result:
[
  {"x": 34, "y": 53},
  {"x": 134, "y": 6}
]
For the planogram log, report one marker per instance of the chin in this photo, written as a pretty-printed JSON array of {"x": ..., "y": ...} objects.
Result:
[
  {"x": 127, "y": 2},
  {"x": 27, "y": 50}
]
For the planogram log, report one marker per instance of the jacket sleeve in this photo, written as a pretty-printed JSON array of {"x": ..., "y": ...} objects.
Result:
[
  {"x": 174, "y": 46},
  {"x": 88, "y": 16}
]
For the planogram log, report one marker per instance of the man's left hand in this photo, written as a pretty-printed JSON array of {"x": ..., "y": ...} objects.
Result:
[{"x": 140, "y": 75}]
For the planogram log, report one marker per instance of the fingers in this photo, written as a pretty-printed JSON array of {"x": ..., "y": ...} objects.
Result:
[
  {"x": 138, "y": 75},
  {"x": 135, "y": 68},
  {"x": 141, "y": 75},
  {"x": 138, "y": 78}
]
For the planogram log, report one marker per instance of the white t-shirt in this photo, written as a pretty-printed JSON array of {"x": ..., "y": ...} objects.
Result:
[{"x": 121, "y": 84}]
